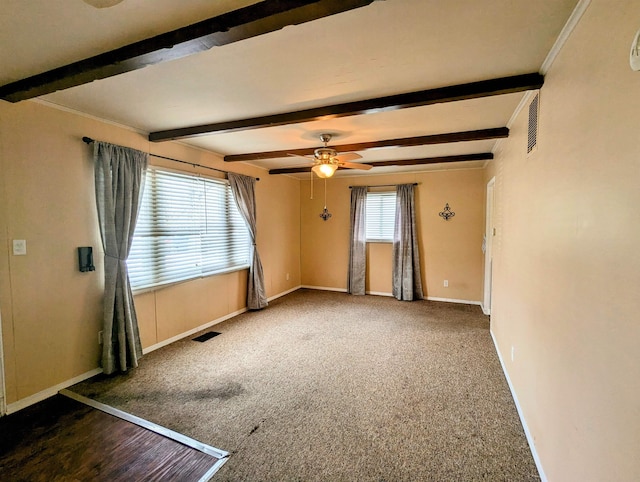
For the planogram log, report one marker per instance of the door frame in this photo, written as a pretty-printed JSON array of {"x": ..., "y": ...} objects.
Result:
[
  {"x": 3, "y": 392},
  {"x": 489, "y": 233}
]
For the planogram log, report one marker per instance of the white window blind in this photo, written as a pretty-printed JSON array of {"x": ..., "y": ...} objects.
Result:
[
  {"x": 187, "y": 227},
  {"x": 380, "y": 216}
]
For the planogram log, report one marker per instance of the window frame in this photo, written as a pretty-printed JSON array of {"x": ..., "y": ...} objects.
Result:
[
  {"x": 154, "y": 278},
  {"x": 383, "y": 216}
]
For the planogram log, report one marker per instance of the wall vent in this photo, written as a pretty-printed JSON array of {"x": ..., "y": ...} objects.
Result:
[
  {"x": 534, "y": 110},
  {"x": 206, "y": 336}
]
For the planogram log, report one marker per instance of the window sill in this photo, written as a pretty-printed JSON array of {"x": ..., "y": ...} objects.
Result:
[{"x": 162, "y": 286}]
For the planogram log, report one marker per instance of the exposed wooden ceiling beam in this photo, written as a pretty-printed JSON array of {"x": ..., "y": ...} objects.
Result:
[
  {"x": 482, "y": 156},
  {"x": 262, "y": 17},
  {"x": 473, "y": 90},
  {"x": 479, "y": 135},
  {"x": 295, "y": 170}
]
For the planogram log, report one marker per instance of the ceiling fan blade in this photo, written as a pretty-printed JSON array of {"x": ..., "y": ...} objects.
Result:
[
  {"x": 355, "y": 165},
  {"x": 308, "y": 158},
  {"x": 307, "y": 165},
  {"x": 348, "y": 156}
]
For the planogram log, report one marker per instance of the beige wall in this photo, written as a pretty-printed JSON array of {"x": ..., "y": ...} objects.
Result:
[
  {"x": 450, "y": 250},
  {"x": 567, "y": 257},
  {"x": 51, "y": 312}
]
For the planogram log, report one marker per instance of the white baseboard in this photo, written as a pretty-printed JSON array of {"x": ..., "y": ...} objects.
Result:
[
  {"x": 452, "y": 300},
  {"x": 485, "y": 310},
  {"x": 50, "y": 392},
  {"x": 527, "y": 433},
  {"x": 379, "y": 293},
  {"x": 279, "y": 295},
  {"x": 343, "y": 290},
  {"x": 209, "y": 324},
  {"x": 324, "y": 288},
  {"x": 185, "y": 334}
]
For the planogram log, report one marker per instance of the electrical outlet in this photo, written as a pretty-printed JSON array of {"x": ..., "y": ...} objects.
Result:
[
  {"x": 513, "y": 352},
  {"x": 287, "y": 276},
  {"x": 446, "y": 283},
  {"x": 19, "y": 247},
  {"x": 99, "y": 338}
]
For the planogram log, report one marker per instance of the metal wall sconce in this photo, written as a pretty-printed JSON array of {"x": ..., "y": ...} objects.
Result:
[
  {"x": 447, "y": 213},
  {"x": 325, "y": 214}
]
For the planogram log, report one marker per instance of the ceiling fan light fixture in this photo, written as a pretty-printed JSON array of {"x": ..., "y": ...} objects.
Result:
[{"x": 324, "y": 171}]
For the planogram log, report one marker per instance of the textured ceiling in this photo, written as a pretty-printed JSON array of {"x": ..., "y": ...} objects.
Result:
[{"x": 388, "y": 47}]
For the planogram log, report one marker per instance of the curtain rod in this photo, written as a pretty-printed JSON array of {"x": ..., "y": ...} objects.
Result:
[
  {"x": 384, "y": 185},
  {"x": 88, "y": 140}
]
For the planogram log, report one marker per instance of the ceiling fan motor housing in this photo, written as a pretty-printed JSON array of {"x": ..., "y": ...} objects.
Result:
[{"x": 325, "y": 154}]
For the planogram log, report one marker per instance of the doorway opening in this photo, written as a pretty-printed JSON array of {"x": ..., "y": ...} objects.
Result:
[
  {"x": 489, "y": 233},
  {"x": 3, "y": 405}
]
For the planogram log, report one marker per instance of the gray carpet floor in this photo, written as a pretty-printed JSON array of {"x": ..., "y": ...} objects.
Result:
[{"x": 332, "y": 387}]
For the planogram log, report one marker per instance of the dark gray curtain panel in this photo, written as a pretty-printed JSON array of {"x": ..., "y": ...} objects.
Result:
[
  {"x": 243, "y": 188},
  {"x": 407, "y": 281},
  {"x": 358, "y": 242},
  {"x": 119, "y": 179}
]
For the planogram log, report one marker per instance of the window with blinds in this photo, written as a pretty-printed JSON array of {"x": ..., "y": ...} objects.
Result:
[
  {"x": 188, "y": 227},
  {"x": 380, "y": 216}
]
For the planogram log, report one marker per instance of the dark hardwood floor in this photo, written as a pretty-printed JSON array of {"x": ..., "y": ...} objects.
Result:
[{"x": 60, "y": 439}]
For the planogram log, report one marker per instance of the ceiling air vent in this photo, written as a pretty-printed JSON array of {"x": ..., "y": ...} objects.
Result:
[{"x": 534, "y": 109}]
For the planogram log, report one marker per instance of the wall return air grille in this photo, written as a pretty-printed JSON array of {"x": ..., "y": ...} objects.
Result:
[{"x": 534, "y": 109}]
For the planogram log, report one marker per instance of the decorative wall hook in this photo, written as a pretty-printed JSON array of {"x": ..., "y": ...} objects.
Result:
[
  {"x": 447, "y": 213},
  {"x": 325, "y": 214}
]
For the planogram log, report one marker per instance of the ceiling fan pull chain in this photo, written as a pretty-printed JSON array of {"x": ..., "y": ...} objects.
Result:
[
  {"x": 325, "y": 193},
  {"x": 311, "y": 172}
]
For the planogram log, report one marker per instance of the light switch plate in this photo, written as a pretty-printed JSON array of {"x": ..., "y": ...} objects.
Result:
[{"x": 19, "y": 247}]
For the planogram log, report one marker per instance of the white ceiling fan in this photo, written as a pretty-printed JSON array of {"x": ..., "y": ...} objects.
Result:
[{"x": 326, "y": 160}]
